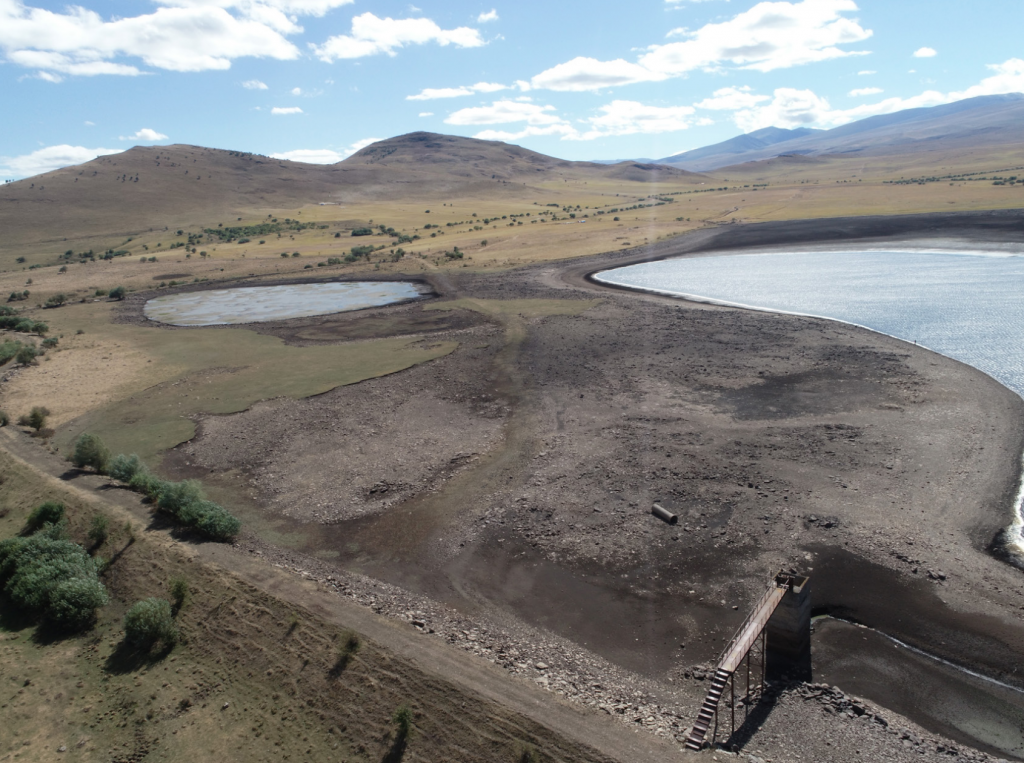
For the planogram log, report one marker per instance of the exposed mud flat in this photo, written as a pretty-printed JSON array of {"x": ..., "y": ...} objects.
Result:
[{"x": 883, "y": 470}]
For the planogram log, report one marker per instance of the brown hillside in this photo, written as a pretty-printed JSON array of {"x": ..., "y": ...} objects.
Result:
[{"x": 151, "y": 188}]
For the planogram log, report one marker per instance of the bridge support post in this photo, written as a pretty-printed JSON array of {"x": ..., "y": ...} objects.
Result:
[{"x": 788, "y": 652}]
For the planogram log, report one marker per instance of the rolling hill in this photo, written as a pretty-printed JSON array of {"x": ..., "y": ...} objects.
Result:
[
  {"x": 976, "y": 122},
  {"x": 148, "y": 188}
]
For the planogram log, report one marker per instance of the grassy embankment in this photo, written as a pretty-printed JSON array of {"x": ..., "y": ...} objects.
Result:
[{"x": 252, "y": 679}]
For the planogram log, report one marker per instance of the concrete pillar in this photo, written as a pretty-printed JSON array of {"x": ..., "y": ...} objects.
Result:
[{"x": 788, "y": 649}]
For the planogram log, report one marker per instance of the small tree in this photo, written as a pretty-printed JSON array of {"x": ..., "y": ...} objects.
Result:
[
  {"x": 36, "y": 418},
  {"x": 90, "y": 451},
  {"x": 122, "y": 468},
  {"x": 57, "y": 300},
  {"x": 98, "y": 530},
  {"x": 48, "y": 513},
  {"x": 179, "y": 593},
  {"x": 27, "y": 355},
  {"x": 118, "y": 293},
  {"x": 149, "y": 621}
]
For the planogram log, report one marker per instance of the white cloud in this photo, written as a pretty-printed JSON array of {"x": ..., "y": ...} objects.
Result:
[
  {"x": 796, "y": 108},
  {"x": 89, "y": 124},
  {"x": 769, "y": 36},
  {"x": 732, "y": 99},
  {"x": 50, "y": 158},
  {"x": 284, "y": 110},
  {"x": 862, "y": 91},
  {"x": 530, "y": 131},
  {"x": 372, "y": 35},
  {"x": 925, "y": 53},
  {"x": 582, "y": 73},
  {"x": 254, "y": 84},
  {"x": 323, "y": 155},
  {"x": 426, "y": 113},
  {"x": 866, "y": 72},
  {"x": 296, "y": 91},
  {"x": 631, "y": 117},
  {"x": 146, "y": 135},
  {"x": 491, "y": 15},
  {"x": 431, "y": 93},
  {"x": 180, "y": 35},
  {"x": 501, "y": 112},
  {"x": 310, "y": 156}
]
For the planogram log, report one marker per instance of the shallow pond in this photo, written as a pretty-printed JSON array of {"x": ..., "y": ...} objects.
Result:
[{"x": 257, "y": 304}]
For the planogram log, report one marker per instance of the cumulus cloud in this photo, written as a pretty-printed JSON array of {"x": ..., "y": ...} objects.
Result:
[
  {"x": 146, "y": 135},
  {"x": 732, "y": 99},
  {"x": 254, "y": 84},
  {"x": 296, "y": 91},
  {"x": 491, "y": 15},
  {"x": 502, "y": 112},
  {"x": 863, "y": 91},
  {"x": 285, "y": 110},
  {"x": 49, "y": 159},
  {"x": 323, "y": 155},
  {"x": 372, "y": 35},
  {"x": 530, "y": 131},
  {"x": 769, "y": 36},
  {"x": 432, "y": 93},
  {"x": 179, "y": 35},
  {"x": 797, "y": 108},
  {"x": 925, "y": 53},
  {"x": 631, "y": 117}
]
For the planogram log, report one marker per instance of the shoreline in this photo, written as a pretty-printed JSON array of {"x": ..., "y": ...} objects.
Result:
[{"x": 1012, "y": 547}]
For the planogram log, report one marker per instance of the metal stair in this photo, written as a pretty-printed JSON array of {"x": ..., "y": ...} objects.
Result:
[
  {"x": 707, "y": 711},
  {"x": 738, "y": 648}
]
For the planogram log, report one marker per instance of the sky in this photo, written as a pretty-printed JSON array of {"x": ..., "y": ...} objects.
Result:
[{"x": 315, "y": 80}]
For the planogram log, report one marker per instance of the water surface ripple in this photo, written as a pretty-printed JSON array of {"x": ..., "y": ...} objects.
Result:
[{"x": 967, "y": 306}]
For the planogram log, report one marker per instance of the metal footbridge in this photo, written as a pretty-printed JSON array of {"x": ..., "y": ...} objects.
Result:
[{"x": 747, "y": 646}]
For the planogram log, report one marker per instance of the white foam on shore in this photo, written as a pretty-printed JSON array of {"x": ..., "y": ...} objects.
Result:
[{"x": 1015, "y": 532}]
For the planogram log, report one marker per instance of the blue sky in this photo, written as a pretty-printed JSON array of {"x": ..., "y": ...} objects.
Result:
[{"x": 314, "y": 80}]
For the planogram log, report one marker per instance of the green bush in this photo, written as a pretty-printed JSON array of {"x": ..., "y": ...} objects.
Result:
[
  {"x": 179, "y": 592},
  {"x": 36, "y": 418},
  {"x": 49, "y": 513},
  {"x": 5, "y": 419},
  {"x": 9, "y": 348},
  {"x": 57, "y": 300},
  {"x": 146, "y": 483},
  {"x": 149, "y": 621},
  {"x": 176, "y": 497},
  {"x": 362, "y": 232},
  {"x": 122, "y": 468},
  {"x": 26, "y": 356},
  {"x": 98, "y": 530},
  {"x": 50, "y": 343},
  {"x": 90, "y": 451},
  {"x": 118, "y": 293},
  {"x": 49, "y": 576}
]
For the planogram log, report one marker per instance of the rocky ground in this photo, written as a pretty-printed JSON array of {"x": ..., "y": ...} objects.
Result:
[{"x": 501, "y": 496}]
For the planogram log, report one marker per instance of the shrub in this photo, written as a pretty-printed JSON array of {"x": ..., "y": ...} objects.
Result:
[
  {"x": 149, "y": 621},
  {"x": 48, "y": 513},
  {"x": 90, "y": 451},
  {"x": 98, "y": 530},
  {"x": 48, "y": 575},
  {"x": 5, "y": 419},
  {"x": 179, "y": 592},
  {"x": 146, "y": 483},
  {"x": 57, "y": 300},
  {"x": 36, "y": 418},
  {"x": 175, "y": 497},
  {"x": 118, "y": 293},
  {"x": 403, "y": 721},
  {"x": 50, "y": 343},
  {"x": 26, "y": 356},
  {"x": 122, "y": 468},
  {"x": 362, "y": 232}
]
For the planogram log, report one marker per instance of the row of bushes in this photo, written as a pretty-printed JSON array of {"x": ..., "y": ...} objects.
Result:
[
  {"x": 10, "y": 320},
  {"x": 47, "y": 575},
  {"x": 184, "y": 501}
]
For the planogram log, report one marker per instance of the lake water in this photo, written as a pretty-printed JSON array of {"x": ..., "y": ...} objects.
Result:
[
  {"x": 257, "y": 304},
  {"x": 968, "y": 306}
]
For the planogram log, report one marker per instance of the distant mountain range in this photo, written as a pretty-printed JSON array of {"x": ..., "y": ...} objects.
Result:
[{"x": 985, "y": 120}]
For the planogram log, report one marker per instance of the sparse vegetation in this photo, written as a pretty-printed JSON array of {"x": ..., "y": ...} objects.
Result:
[
  {"x": 48, "y": 576},
  {"x": 90, "y": 451},
  {"x": 98, "y": 531},
  {"x": 148, "y": 622},
  {"x": 36, "y": 418}
]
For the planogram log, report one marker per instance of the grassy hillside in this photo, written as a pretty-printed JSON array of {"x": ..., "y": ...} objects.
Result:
[{"x": 253, "y": 678}]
